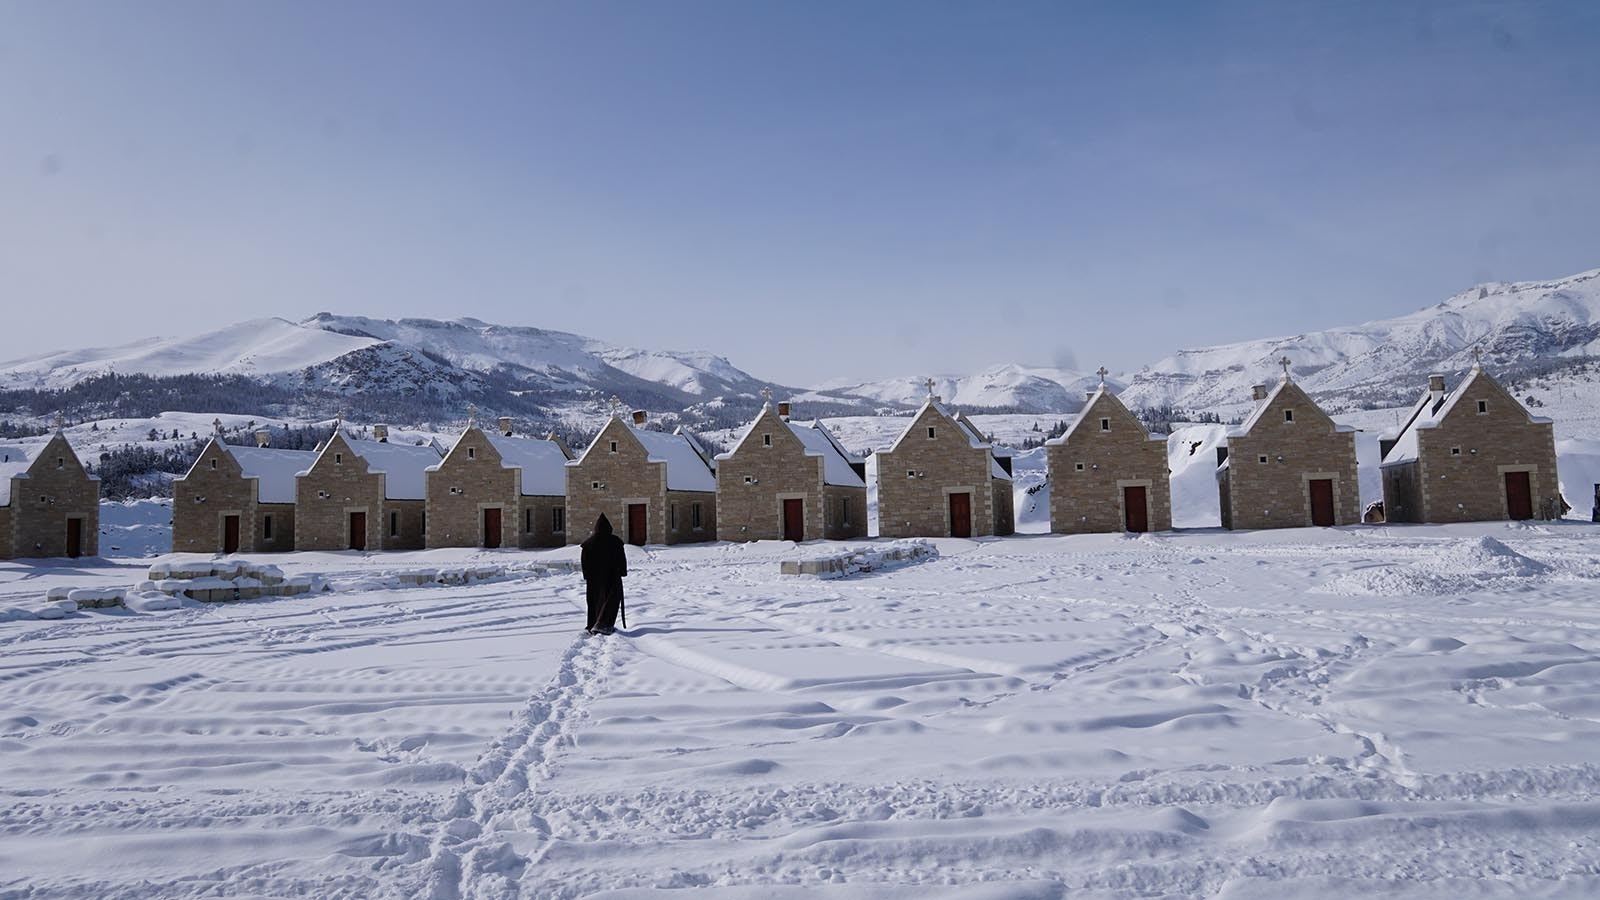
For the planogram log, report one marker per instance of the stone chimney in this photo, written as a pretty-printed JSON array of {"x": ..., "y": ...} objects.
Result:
[
  {"x": 1089, "y": 395},
  {"x": 381, "y": 432},
  {"x": 263, "y": 438},
  {"x": 1436, "y": 387},
  {"x": 639, "y": 417},
  {"x": 783, "y": 410},
  {"x": 505, "y": 425},
  {"x": 1258, "y": 392}
]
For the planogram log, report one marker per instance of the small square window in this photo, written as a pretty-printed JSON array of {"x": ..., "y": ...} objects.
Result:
[
  {"x": 672, "y": 516},
  {"x": 266, "y": 527},
  {"x": 472, "y": 453},
  {"x": 61, "y": 463},
  {"x": 694, "y": 515},
  {"x": 558, "y": 519},
  {"x": 1105, "y": 424},
  {"x": 930, "y": 433},
  {"x": 1483, "y": 407},
  {"x": 613, "y": 446},
  {"x": 749, "y": 479},
  {"x": 595, "y": 484},
  {"x": 844, "y": 511},
  {"x": 338, "y": 459},
  {"x": 911, "y": 473},
  {"x": 213, "y": 464},
  {"x": 1261, "y": 459},
  {"x": 1288, "y": 415},
  {"x": 527, "y": 517},
  {"x": 1077, "y": 467},
  {"x": 1455, "y": 451},
  {"x": 766, "y": 440},
  {"x": 394, "y": 524}
]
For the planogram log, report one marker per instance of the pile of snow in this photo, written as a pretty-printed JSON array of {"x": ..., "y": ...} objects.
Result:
[
  {"x": 1457, "y": 565},
  {"x": 1483, "y": 556},
  {"x": 867, "y": 559}
]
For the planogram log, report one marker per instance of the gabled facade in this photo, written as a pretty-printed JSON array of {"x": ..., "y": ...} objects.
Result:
[
  {"x": 364, "y": 495},
  {"x": 941, "y": 479},
  {"x": 237, "y": 499},
  {"x": 49, "y": 504},
  {"x": 785, "y": 480},
  {"x": 1289, "y": 465},
  {"x": 496, "y": 489},
  {"x": 1108, "y": 473},
  {"x": 654, "y": 487},
  {"x": 1469, "y": 455}
]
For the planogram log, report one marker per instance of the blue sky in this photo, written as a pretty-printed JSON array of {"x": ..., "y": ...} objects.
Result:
[{"x": 815, "y": 190}]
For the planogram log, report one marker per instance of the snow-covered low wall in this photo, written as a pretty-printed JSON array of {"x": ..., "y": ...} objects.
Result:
[{"x": 866, "y": 559}]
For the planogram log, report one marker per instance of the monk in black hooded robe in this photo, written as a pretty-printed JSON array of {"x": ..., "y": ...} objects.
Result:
[{"x": 605, "y": 564}]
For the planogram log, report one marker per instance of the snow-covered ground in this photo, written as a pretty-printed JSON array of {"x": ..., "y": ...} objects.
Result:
[{"x": 1401, "y": 711}]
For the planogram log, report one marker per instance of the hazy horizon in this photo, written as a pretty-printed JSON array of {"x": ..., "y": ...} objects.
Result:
[{"x": 813, "y": 191}]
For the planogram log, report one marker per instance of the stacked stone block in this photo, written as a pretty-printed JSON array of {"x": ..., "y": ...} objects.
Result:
[
  {"x": 1276, "y": 493},
  {"x": 1107, "y": 450}
]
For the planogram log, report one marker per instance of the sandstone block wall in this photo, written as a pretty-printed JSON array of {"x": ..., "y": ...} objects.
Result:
[
  {"x": 627, "y": 476},
  {"x": 322, "y": 523},
  {"x": 1275, "y": 493},
  {"x": 57, "y": 489},
  {"x": 470, "y": 479},
  {"x": 1109, "y": 449},
  {"x": 918, "y": 505},
  {"x": 1469, "y": 486},
  {"x": 782, "y": 470}
]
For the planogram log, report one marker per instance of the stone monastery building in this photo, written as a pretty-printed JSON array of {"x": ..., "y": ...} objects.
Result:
[
  {"x": 1471, "y": 454},
  {"x": 785, "y": 480}
]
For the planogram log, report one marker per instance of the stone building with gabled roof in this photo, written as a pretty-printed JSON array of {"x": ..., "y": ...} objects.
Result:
[
  {"x": 940, "y": 478},
  {"x": 1108, "y": 473},
  {"x": 49, "y": 503},
  {"x": 237, "y": 499},
  {"x": 498, "y": 489},
  {"x": 1468, "y": 455},
  {"x": 364, "y": 495},
  {"x": 654, "y": 487},
  {"x": 787, "y": 480},
  {"x": 1289, "y": 465}
]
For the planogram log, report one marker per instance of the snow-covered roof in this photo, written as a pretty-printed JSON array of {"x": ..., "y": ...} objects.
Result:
[
  {"x": 402, "y": 465},
  {"x": 1243, "y": 428},
  {"x": 273, "y": 469},
  {"x": 688, "y": 469},
  {"x": 836, "y": 468},
  {"x": 1428, "y": 412},
  {"x": 14, "y": 462},
  {"x": 543, "y": 464}
]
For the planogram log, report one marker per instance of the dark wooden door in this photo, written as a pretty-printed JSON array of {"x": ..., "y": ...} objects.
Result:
[
  {"x": 74, "y": 538},
  {"x": 1321, "y": 501},
  {"x": 794, "y": 520},
  {"x": 491, "y": 528},
  {"x": 1519, "y": 496},
  {"x": 230, "y": 534},
  {"x": 1135, "y": 513},
  {"x": 636, "y": 524},
  {"x": 961, "y": 515},
  {"x": 358, "y": 531}
]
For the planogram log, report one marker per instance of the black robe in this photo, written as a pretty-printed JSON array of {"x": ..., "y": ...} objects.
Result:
[{"x": 605, "y": 564}]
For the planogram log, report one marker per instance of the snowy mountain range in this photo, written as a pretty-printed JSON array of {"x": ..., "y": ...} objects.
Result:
[{"x": 1522, "y": 328}]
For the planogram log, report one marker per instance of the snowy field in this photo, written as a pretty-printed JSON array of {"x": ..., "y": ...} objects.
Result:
[{"x": 1401, "y": 712}]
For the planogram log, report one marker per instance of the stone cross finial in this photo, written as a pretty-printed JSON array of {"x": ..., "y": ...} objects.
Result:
[
  {"x": 1477, "y": 357},
  {"x": 472, "y": 413},
  {"x": 766, "y": 395},
  {"x": 1102, "y": 373},
  {"x": 59, "y": 422},
  {"x": 616, "y": 405},
  {"x": 929, "y": 385},
  {"x": 1284, "y": 361},
  {"x": 216, "y": 426}
]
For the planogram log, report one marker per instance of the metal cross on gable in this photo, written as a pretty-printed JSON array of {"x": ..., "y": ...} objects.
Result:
[
  {"x": 929, "y": 385},
  {"x": 1477, "y": 356},
  {"x": 1284, "y": 361},
  {"x": 1102, "y": 372},
  {"x": 472, "y": 413},
  {"x": 766, "y": 394},
  {"x": 616, "y": 404}
]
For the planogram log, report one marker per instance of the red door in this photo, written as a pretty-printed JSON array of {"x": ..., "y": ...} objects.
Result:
[
  {"x": 230, "y": 534},
  {"x": 358, "y": 531},
  {"x": 961, "y": 515},
  {"x": 1519, "y": 496},
  {"x": 1136, "y": 514},
  {"x": 794, "y": 520},
  {"x": 636, "y": 524},
  {"x": 74, "y": 538},
  {"x": 491, "y": 528},
  {"x": 1322, "y": 501}
]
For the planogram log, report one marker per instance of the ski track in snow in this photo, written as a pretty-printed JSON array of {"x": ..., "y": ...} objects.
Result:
[{"x": 1410, "y": 712}]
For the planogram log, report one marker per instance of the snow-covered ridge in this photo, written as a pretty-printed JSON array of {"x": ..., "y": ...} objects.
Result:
[
  {"x": 1026, "y": 388},
  {"x": 1514, "y": 324}
]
